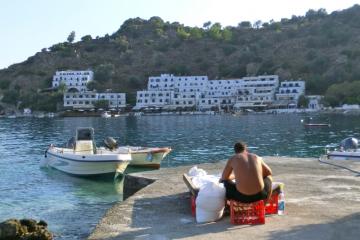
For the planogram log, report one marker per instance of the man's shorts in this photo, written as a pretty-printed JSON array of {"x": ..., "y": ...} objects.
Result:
[{"x": 234, "y": 194}]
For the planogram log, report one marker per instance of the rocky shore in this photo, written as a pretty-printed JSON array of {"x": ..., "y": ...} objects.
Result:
[
  {"x": 24, "y": 229},
  {"x": 322, "y": 202}
]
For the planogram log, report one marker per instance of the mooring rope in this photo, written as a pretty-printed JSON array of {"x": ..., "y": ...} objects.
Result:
[{"x": 339, "y": 166}]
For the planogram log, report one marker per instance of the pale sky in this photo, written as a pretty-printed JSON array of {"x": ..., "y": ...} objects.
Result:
[{"x": 27, "y": 26}]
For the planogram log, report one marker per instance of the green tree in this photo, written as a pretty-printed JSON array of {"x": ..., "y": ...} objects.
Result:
[
  {"x": 215, "y": 31},
  {"x": 71, "y": 37},
  {"x": 227, "y": 34},
  {"x": 244, "y": 24},
  {"x": 206, "y": 25},
  {"x": 122, "y": 42},
  {"x": 196, "y": 33},
  {"x": 86, "y": 38},
  {"x": 303, "y": 102},
  {"x": 258, "y": 24},
  {"x": 181, "y": 33},
  {"x": 104, "y": 72},
  {"x": 62, "y": 88}
]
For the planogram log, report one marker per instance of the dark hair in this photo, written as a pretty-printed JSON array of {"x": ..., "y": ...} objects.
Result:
[{"x": 239, "y": 147}]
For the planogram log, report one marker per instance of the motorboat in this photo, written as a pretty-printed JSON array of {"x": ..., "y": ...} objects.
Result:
[
  {"x": 144, "y": 157},
  {"x": 346, "y": 150},
  {"x": 81, "y": 157},
  {"x": 307, "y": 123},
  {"x": 105, "y": 115},
  {"x": 317, "y": 125}
]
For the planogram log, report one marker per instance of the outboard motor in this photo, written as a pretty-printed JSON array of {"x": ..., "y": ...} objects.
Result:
[
  {"x": 110, "y": 143},
  {"x": 71, "y": 143},
  {"x": 349, "y": 143}
]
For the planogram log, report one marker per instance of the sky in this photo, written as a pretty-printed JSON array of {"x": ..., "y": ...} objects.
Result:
[{"x": 27, "y": 26}]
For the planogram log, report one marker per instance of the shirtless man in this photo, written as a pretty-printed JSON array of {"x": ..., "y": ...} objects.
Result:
[{"x": 252, "y": 176}]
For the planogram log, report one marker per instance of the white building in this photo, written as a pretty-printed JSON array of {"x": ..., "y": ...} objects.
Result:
[
  {"x": 289, "y": 93},
  {"x": 315, "y": 102},
  {"x": 73, "y": 80},
  {"x": 86, "y": 100},
  {"x": 78, "y": 96},
  {"x": 169, "y": 91}
]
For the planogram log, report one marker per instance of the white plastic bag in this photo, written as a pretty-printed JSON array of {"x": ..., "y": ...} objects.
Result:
[
  {"x": 210, "y": 202},
  {"x": 195, "y": 171}
]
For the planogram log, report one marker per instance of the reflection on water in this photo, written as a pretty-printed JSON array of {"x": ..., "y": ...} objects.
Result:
[{"x": 73, "y": 205}]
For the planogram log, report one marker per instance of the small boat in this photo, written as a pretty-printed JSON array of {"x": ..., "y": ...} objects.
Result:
[
  {"x": 106, "y": 115},
  {"x": 308, "y": 123},
  {"x": 81, "y": 157},
  {"x": 346, "y": 150},
  {"x": 317, "y": 125},
  {"x": 144, "y": 157}
]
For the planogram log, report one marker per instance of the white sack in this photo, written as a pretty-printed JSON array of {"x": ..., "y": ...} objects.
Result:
[
  {"x": 195, "y": 171},
  {"x": 210, "y": 202}
]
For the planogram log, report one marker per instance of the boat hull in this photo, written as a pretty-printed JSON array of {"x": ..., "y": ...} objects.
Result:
[
  {"x": 338, "y": 155},
  {"x": 146, "y": 157},
  {"x": 317, "y": 125},
  {"x": 86, "y": 164}
]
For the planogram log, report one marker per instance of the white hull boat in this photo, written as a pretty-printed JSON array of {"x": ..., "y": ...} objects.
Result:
[
  {"x": 82, "y": 157},
  {"x": 344, "y": 155},
  {"x": 106, "y": 115},
  {"x": 145, "y": 157},
  {"x": 347, "y": 150}
]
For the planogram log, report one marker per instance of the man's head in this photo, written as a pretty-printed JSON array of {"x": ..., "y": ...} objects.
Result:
[{"x": 240, "y": 147}]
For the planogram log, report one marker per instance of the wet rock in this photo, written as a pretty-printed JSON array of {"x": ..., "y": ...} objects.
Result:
[{"x": 24, "y": 229}]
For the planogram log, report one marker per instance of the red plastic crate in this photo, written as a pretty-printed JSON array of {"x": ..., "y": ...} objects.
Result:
[
  {"x": 271, "y": 207},
  {"x": 247, "y": 213},
  {"x": 193, "y": 205}
]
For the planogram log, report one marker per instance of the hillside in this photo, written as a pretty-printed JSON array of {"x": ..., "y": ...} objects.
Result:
[{"x": 321, "y": 48}]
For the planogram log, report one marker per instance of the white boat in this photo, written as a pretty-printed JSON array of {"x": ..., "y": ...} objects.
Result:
[
  {"x": 81, "y": 157},
  {"x": 106, "y": 115},
  {"x": 347, "y": 150},
  {"x": 145, "y": 157}
]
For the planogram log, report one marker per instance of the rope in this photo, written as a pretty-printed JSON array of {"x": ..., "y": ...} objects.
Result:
[{"x": 339, "y": 166}]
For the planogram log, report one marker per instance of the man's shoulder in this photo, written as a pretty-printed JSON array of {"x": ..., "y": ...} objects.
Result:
[{"x": 254, "y": 157}]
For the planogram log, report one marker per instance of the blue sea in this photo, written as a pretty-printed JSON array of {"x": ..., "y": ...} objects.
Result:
[{"x": 72, "y": 206}]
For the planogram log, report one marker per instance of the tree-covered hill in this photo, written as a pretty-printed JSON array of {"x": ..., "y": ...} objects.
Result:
[{"x": 322, "y": 49}]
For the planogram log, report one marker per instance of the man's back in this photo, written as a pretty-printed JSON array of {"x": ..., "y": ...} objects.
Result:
[{"x": 248, "y": 172}]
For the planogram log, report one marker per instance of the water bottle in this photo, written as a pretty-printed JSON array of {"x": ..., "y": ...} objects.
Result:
[{"x": 281, "y": 203}]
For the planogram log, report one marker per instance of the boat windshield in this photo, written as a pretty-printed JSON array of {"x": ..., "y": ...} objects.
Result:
[{"x": 85, "y": 134}]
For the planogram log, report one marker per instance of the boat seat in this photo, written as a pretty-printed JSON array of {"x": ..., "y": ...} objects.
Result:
[{"x": 84, "y": 147}]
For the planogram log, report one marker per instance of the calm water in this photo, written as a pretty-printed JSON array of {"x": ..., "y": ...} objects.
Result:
[{"x": 72, "y": 206}]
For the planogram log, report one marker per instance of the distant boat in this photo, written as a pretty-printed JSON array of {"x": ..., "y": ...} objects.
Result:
[
  {"x": 105, "y": 115},
  {"x": 81, "y": 157},
  {"x": 309, "y": 124},
  {"x": 317, "y": 125}
]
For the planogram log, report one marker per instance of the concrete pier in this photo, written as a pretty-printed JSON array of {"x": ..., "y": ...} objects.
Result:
[{"x": 322, "y": 202}]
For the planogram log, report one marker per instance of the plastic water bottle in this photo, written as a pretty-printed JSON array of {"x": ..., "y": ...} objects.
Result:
[{"x": 281, "y": 203}]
